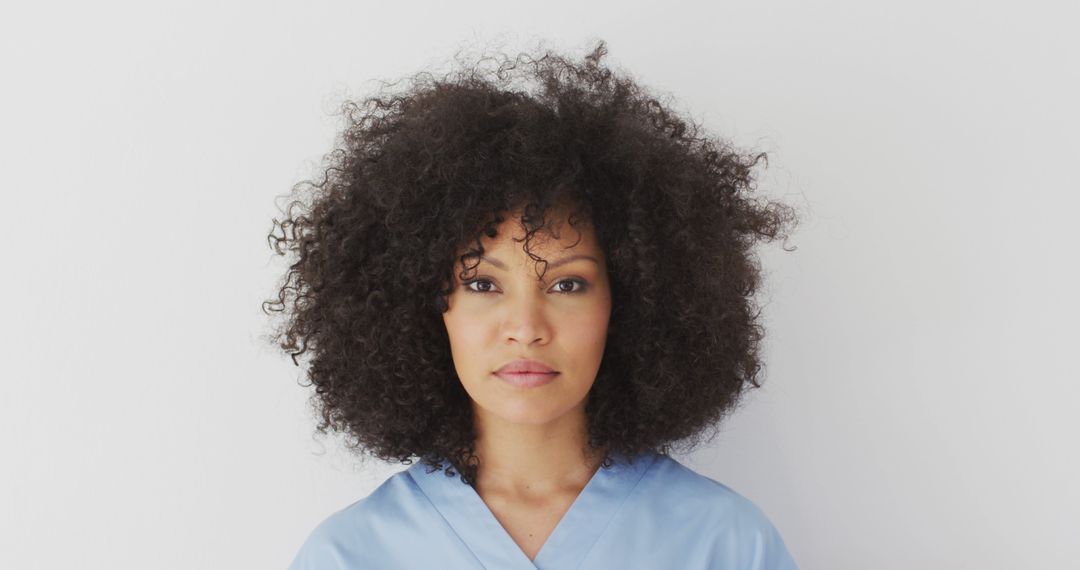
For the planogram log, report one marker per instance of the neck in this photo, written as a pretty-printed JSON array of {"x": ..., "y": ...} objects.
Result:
[{"x": 534, "y": 460}]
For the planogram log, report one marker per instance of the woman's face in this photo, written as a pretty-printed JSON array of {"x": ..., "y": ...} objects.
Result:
[{"x": 503, "y": 313}]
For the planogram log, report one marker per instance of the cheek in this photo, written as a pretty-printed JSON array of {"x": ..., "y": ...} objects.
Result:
[
  {"x": 460, "y": 326},
  {"x": 587, "y": 330},
  {"x": 466, "y": 336}
]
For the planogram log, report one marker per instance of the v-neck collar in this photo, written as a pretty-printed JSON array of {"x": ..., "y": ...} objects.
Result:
[{"x": 566, "y": 546}]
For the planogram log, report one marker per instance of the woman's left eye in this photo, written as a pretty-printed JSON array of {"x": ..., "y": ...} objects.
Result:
[{"x": 560, "y": 289}]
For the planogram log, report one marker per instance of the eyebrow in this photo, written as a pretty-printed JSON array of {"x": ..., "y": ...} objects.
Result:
[{"x": 550, "y": 265}]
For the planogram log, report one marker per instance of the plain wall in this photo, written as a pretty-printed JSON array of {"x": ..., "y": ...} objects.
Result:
[{"x": 920, "y": 400}]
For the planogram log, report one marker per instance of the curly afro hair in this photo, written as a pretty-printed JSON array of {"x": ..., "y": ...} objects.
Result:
[{"x": 419, "y": 173}]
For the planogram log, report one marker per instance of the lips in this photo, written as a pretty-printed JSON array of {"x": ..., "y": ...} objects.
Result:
[
  {"x": 525, "y": 367},
  {"x": 526, "y": 373}
]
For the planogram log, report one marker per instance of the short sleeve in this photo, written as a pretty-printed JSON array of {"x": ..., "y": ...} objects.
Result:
[{"x": 763, "y": 547}]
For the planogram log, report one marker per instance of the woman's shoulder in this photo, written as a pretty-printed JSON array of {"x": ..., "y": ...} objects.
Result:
[
  {"x": 730, "y": 530},
  {"x": 689, "y": 497},
  {"x": 363, "y": 511},
  {"x": 346, "y": 535}
]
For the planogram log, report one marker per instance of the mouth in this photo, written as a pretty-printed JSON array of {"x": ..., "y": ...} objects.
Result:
[
  {"x": 526, "y": 373},
  {"x": 528, "y": 379},
  {"x": 524, "y": 365}
]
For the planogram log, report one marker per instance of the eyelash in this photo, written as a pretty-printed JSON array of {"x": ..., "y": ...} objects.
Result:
[{"x": 581, "y": 289}]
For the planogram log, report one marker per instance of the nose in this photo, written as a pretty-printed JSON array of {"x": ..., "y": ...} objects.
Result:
[{"x": 526, "y": 321}]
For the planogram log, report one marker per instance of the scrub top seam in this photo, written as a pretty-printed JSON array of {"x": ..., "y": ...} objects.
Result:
[
  {"x": 444, "y": 519},
  {"x": 615, "y": 515}
]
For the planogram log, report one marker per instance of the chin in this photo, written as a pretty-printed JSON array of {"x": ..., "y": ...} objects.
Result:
[{"x": 528, "y": 411}]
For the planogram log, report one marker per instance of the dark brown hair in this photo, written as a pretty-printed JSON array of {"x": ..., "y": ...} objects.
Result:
[{"x": 419, "y": 172}]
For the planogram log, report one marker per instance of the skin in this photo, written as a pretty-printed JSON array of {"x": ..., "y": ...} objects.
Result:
[{"x": 531, "y": 442}]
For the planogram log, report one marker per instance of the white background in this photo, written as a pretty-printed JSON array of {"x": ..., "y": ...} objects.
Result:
[{"x": 921, "y": 395}]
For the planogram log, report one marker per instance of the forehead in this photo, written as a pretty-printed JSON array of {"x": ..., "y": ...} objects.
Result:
[
  {"x": 556, "y": 240},
  {"x": 556, "y": 236}
]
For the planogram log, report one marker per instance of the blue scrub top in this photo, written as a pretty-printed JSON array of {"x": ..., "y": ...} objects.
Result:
[{"x": 652, "y": 513}]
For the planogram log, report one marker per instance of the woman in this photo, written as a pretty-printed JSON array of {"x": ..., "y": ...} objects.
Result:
[{"x": 538, "y": 294}]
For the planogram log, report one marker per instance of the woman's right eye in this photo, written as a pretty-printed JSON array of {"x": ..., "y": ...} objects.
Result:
[{"x": 469, "y": 288}]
